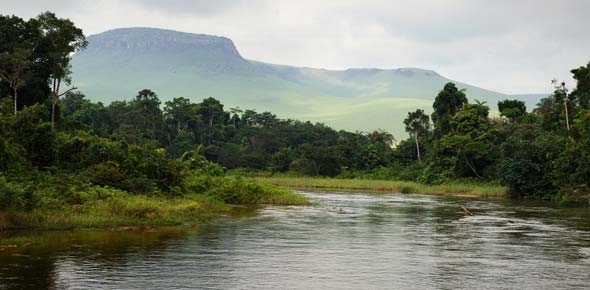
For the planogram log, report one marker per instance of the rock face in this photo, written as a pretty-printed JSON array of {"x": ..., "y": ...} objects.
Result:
[
  {"x": 140, "y": 40},
  {"x": 118, "y": 63},
  {"x": 145, "y": 49}
]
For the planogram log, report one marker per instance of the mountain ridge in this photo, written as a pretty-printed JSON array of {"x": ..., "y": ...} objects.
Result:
[{"x": 120, "y": 62}]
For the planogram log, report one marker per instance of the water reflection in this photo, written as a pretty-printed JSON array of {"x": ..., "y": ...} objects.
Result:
[{"x": 349, "y": 241}]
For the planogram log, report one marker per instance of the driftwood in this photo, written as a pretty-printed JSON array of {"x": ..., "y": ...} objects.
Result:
[{"x": 466, "y": 210}]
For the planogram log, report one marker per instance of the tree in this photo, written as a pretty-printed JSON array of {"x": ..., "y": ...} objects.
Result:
[
  {"x": 379, "y": 151},
  {"x": 61, "y": 38},
  {"x": 282, "y": 159},
  {"x": 15, "y": 70},
  {"x": 468, "y": 149},
  {"x": 181, "y": 114},
  {"x": 417, "y": 124},
  {"x": 526, "y": 163},
  {"x": 582, "y": 90},
  {"x": 472, "y": 119},
  {"x": 16, "y": 55},
  {"x": 143, "y": 120},
  {"x": 470, "y": 140},
  {"x": 212, "y": 111},
  {"x": 447, "y": 103},
  {"x": 571, "y": 171},
  {"x": 561, "y": 90},
  {"x": 382, "y": 137},
  {"x": 512, "y": 109},
  {"x": 234, "y": 115},
  {"x": 74, "y": 102}
]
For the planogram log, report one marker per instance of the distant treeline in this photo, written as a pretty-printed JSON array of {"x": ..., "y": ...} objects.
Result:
[{"x": 137, "y": 145}]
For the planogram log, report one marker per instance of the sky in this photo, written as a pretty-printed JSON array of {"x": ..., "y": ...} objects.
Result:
[{"x": 510, "y": 46}]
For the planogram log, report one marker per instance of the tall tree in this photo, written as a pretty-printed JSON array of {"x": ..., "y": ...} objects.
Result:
[
  {"x": 447, "y": 103},
  {"x": 381, "y": 137},
  {"x": 417, "y": 124},
  {"x": 18, "y": 34},
  {"x": 15, "y": 70},
  {"x": 212, "y": 111},
  {"x": 470, "y": 139},
  {"x": 512, "y": 109},
  {"x": 61, "y": 38},
  {"x": 561, "y": 90},
  {"x": 235, "y": 115},
  {"x": 582, "y": 91},
  {"x": 180, "y": 114}
]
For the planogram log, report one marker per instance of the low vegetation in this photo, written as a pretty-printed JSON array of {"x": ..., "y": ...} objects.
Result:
[
  {"x": 53, "y": 205},
  {"x": 457, "y": 188}
]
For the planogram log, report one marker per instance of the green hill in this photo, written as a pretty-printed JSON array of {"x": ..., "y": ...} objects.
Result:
[{"x": 120, "y": 62}]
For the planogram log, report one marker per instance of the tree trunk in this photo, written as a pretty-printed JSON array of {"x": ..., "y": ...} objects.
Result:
[
  {"x": 52, "y": 116},
  {"x": 15, "y": 100},
  {"x": 567, "y": 119},
  {"x": 472, "y": 167},
  {"x": 54, "y": 101},
  {"x": 417, "y": 147},
  {"x": 210, "y": 126}
]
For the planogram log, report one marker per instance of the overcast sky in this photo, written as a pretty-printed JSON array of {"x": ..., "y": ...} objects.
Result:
[{"x": 509, "y": 46}]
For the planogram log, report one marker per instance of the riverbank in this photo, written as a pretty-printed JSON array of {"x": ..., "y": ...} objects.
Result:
[
  {"x": 105, "y": 207},
  {"x": 455, "y": 189}
]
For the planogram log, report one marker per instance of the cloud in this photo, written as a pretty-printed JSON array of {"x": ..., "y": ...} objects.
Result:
[
  {"x": 510, "y": 46},
  {"x": 192, "y": 7}
]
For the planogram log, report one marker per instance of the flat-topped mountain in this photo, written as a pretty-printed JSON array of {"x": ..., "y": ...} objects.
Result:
[
  {"x": 120, "y": 62},
  {"x": 153, "y": 39}
]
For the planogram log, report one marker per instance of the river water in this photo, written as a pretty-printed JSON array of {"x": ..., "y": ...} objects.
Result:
[{"x": 347, "y": 241}]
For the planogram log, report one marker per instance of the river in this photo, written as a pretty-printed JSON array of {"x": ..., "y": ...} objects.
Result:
[{"x": 347, "y": 241}]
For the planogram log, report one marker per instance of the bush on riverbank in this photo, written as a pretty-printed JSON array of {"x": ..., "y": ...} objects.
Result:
[
  {"x": 110, "y": 194},
  {"x": 80, "y": 205}
]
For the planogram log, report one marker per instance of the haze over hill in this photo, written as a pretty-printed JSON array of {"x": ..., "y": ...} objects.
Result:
[{"x": 120, "y": 62}]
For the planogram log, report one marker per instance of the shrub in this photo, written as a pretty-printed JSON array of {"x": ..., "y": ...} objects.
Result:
[
  {"x": 304, "y": 166},
  {"x": 15, "y": 195},
  {"x": 94, "y": 193},
  {"x": 107, "y": 173},
  {"x": 525, "y": 166}
]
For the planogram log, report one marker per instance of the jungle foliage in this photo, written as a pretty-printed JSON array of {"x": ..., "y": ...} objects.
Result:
[{"x": 56, "y": 144}]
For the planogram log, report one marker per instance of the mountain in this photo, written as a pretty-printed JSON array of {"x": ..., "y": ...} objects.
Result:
[{"x": 120, "y": 62}]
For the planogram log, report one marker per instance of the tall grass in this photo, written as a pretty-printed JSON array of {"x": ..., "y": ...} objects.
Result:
[
  {"x": 456, "y": 188},
  {"x": 204, "y": 197},
  {"x": 235, "y": 190},
  {"x": 115, "y": 212}
]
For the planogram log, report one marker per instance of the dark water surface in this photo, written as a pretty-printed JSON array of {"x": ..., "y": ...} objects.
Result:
[{"x": 349, "y": 241}]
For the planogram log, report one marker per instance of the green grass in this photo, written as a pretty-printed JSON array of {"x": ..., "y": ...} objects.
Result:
[
  {"x": 237, "y": 190},
  {"x": 118, "y": 212},
  {"x": 208, "y": 197},
  {"x": 463, "y": 189}
]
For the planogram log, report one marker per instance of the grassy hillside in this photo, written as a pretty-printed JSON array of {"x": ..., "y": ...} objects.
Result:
[{"x": 120, "y": 62}]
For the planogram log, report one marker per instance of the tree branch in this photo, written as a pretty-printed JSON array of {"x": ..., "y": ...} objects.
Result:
[{"x": 67, "y": 91}]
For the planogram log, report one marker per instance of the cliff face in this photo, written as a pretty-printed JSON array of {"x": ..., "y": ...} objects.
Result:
[
  {"x": 141, "y": 50},
  {"x": 140, "y": 40}
]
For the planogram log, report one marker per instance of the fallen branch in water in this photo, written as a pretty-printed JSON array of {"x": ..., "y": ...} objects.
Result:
[{"x": 466, "y": 210}]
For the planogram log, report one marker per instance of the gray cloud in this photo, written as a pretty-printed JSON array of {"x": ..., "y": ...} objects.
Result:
[
  {"x": 511, "y": 46},
  {"x": 192, "y": 7}
]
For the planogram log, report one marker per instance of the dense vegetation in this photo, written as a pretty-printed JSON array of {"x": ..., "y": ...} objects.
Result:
[
  {"x": 541, "y": 154},
  {"x": 65, "y": 161},
  {"x": 59, "y": 150}
]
